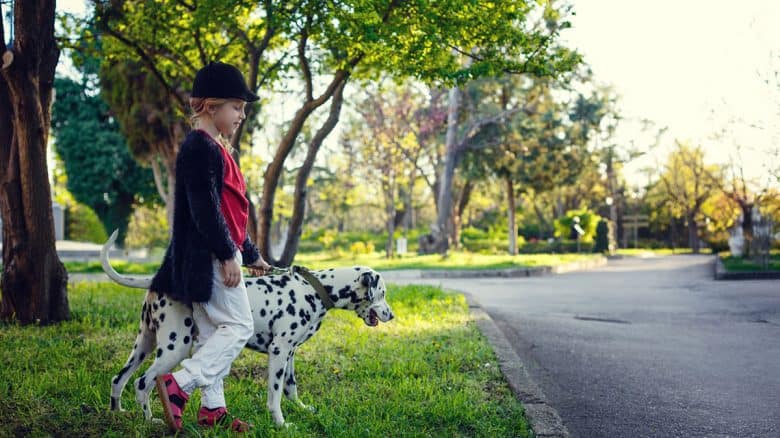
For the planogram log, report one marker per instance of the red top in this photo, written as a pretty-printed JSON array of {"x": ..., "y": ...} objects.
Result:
[{"x": 235, "y": 205}]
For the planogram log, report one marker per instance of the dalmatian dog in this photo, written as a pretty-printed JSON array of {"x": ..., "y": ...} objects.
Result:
[{"x": 286, "y": 309}]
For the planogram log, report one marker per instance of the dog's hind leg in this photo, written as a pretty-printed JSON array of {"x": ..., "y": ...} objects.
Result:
[
  {"x": 144, "y": 343},
  {"x": 173, "y": 345},
  {"x": 290, "y": 385}
]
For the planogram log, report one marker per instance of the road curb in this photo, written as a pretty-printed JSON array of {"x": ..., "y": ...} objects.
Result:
[
  {"x": 514, "y": 272},
  {"x": 543, "y": 418}
]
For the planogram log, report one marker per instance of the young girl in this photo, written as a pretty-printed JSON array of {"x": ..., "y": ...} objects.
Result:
[{"x": 202, "y": 265}]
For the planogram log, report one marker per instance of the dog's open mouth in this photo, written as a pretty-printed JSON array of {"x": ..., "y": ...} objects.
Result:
[{"x": 373, "y": 320}]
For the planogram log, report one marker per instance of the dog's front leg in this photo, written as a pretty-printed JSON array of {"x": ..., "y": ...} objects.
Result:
[
  {"x": 279, "y": 356},
  {"x": 290, "y": 385}
]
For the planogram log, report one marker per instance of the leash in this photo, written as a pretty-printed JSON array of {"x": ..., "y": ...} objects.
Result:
[{"x": 308, "y": 276}]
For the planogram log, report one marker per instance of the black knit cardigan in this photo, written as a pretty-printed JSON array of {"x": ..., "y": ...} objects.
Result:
[{"x": 199, "y": 228}]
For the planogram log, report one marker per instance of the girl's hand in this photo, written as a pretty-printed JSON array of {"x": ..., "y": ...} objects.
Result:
[
  {"x": 259, "y": 268},
  {"x": 231, "y": 272}
]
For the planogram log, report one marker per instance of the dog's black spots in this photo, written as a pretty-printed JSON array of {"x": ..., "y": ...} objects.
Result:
[
  {"x": 279, "y": 302},
  {"x": 318, "y": 326},
  {"x": 261, "y": 282},
  {"x": 357, "y": 269},
  {"x": 292, "y": 334},
  {"x": 330, "y": 269},
  {"x": 262, "y": 312},
  {"x": 154, "y": 306},
  {"x": 282, "y": 282},
  {"x": 162, "y": 302},
  {"x": 289, "y": 341},
  {"x": 276, "y": 386},
  {"x": 278, "y": 292},
  {"x": 147, "y": 321},
  {"x": 124, "y": 370},
  {"x": 286, "y": 393},
  {"x": 284, "y": 334},
  {"x": 170, "y": 347},
  {"x": 291, "y": 379},
  {"x": 115, "y": 381},
  {"x": 266, "y": 302},
  {"x": 141, "y": 357},
  {"x": 294, "y": 325},
  {"x": 162, "y": 317},
  {"x": 159, "y": 352},
  {"x": 186, "y": 339},
  {"x": 292, "y": 296},
  {"x": 291, "y": 309},
  {"x": 188, "y": 321},
  {"x": 310, "y": 299},
  {"x": 332, "y": 276},
  {"x": 260, "y": 339},
  {"x": 276, "y": 351},
  {"x": 135, "y": 346},
  {"x": 344, "y": 291},
  {"x": 323, "y": 275},
  {"x": 142, "y": 383},
  {"x": 114, "y": 403},
  {"x": 172, "y": 337},
  {"x": 279, "y": 373}
]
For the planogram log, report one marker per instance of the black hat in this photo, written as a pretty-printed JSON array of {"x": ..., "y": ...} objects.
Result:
[{"x": 222, "y": 81}]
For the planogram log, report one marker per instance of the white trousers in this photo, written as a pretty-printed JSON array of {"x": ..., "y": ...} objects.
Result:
[{"x": 224, "y": 326}]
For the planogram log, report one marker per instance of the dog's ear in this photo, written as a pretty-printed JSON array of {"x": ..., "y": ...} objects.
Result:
[{"x": 369, "y": 280}]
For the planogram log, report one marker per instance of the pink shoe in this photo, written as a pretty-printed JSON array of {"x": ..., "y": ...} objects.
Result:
[
  {"x": 211, "y": 417},
  {"x": 173, "y": 399}
]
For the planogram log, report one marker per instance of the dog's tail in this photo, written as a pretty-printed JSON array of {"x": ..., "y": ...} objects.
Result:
[{"x": 141, "y": 283}]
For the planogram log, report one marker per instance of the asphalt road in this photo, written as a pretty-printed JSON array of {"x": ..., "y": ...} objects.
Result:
[{"x": 645, "y": 347}]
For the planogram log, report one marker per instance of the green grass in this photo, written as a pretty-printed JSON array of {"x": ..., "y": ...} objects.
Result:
[
  {"x": 429, "y": 372},
  {"x": 376, "y": 260},
  {"x": 738, "y": 264}
]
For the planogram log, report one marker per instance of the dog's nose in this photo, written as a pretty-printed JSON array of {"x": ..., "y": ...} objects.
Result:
[{"x": 391, "y": 316}]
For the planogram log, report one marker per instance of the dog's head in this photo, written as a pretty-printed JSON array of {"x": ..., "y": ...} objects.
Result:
[{"x": 372, "y": 306}]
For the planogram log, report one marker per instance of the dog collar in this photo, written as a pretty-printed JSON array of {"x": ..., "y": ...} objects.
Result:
[{"x": 308, "y": 276}]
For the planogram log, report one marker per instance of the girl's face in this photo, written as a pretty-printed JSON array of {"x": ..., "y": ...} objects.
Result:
[{"x": 229, "y": 116}]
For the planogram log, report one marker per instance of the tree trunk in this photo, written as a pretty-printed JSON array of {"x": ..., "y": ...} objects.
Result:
[
  {"x": 390, "y": 219},
  {"x": 510, "y": 194},
  {"x": 747, "y": 227},
  {"x": 299, "y": 210},
  {"x": 457, "y": 217},
  {"x": 444, "y": 210},
  {"x": 34, "y": 281},
  {"x": 693, "y": 234}
]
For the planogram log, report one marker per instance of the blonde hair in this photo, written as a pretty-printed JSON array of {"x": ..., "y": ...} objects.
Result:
[{"x": 200, "y": 106}]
